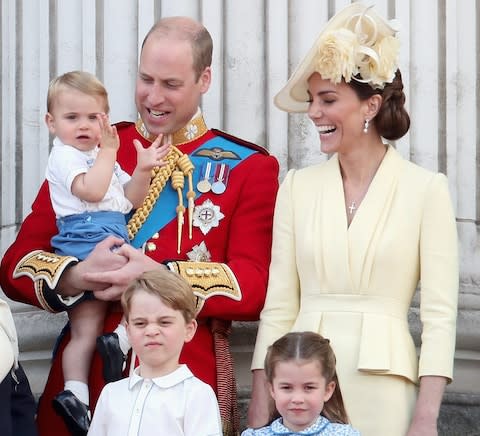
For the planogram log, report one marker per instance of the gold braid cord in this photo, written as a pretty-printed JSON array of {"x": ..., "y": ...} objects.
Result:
[
  {"x": 186, "y": 166},
  {"x": 175, "y": 159},
  {"x": 177, "y": 184}
]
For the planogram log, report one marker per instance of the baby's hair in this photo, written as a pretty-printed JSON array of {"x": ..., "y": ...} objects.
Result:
[
  {"x": 81, "y": 81},
  {"x": 170, "y": 287},
  {"x": 309, "y": 346}
]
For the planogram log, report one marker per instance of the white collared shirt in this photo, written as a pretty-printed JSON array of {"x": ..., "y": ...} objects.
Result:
[
  {"x": 175, "y": 404},
  {"x": 64, "y": 164}
]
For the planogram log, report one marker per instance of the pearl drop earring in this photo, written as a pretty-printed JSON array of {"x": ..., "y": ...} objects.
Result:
[{"x": 365, "y": 126}]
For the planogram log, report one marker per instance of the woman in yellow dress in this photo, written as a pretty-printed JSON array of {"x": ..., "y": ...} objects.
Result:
[{"x": 354, "y": 236}]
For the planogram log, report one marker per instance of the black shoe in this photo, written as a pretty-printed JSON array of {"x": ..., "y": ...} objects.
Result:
[
  {"x": 76, "y": 415},
  {"x": 114, "y": 360}
]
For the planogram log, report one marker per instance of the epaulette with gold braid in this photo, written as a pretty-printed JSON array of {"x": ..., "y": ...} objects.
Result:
[{"x": 208, "y": 279}]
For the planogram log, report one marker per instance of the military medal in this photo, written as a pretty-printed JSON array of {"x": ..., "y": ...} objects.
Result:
[
  {"x": 199, "y": 253},
  {"x": 203, "y": 184},
  {"x": 220, "y": 178},
  {"x": 206, "y": 216}
]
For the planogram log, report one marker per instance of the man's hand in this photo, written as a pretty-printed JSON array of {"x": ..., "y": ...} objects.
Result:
[
  {"x": 104, "y": 257},
  {"x": 115, "y": 281}
]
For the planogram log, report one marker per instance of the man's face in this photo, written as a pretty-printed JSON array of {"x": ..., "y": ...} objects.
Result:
[{"x": 167, "y": 93}]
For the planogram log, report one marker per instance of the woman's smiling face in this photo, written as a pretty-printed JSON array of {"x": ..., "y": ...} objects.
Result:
[{"x": 337, "y": 112}]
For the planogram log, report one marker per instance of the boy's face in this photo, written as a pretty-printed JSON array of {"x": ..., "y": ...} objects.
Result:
[
  {"x": 74, "y": 119},
  {"x": 157, "y": 334}
]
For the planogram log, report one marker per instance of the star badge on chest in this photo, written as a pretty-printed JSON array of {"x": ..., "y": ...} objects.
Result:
[
  {"x": 206, "y": 216},
  {"x": 199, "y": 253}
]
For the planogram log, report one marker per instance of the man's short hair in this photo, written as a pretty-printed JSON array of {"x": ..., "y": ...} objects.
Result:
[{"x": 187, "y": 29}]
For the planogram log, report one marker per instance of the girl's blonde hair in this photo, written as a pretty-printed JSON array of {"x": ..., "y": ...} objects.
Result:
[
  {"x": 309, "y": 346},
  {"x": 82, "y": 81}
]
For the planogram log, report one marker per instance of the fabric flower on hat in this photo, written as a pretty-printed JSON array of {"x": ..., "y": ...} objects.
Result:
[
  {"x": 358, "y": 51},
  {"x": 364, "y": 27},
  {"x": 336, "y": 57},
  {"x": 355, "y": 44},
  {"x": 381, "y": 68}
]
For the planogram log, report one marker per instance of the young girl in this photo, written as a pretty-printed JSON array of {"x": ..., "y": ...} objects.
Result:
[{"x": 301, "y": 375}]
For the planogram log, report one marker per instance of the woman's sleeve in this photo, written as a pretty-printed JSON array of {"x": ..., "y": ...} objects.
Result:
[
  {"x": 439, "y": 281},
  {"x": 283, "y": 292}
]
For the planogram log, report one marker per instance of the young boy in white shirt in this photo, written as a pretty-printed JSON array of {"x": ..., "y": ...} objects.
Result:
[{"x": 161, "y": 396}]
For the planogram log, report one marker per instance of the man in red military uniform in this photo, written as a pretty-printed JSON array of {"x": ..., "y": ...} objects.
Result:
[{"x": 208, "y": 216}]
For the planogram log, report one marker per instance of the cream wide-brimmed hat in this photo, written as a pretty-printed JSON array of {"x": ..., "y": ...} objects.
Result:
[{"x": 355, "y": 44}]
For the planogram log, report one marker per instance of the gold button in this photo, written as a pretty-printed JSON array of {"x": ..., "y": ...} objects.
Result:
[{"x": 151, "y": 246}]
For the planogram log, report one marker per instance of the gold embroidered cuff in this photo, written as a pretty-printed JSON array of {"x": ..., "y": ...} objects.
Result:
[
  {"x": 41, "y": 265},
  {"x": 208, "y": 279}
]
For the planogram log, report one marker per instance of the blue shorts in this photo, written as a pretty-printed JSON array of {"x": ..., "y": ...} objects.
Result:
[{"x": 79, "y": 234}]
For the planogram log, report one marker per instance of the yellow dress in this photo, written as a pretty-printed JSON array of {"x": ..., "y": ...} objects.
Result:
[{"x": 354, "y": 284}]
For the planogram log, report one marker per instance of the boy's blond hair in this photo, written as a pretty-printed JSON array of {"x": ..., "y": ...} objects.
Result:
[
  {"x": 82, "y": 81},
  {"x": 171, "y": 288}
]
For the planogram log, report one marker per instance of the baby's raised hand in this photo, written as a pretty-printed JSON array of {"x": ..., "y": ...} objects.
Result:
[
  {"x": 108, "y": 134},
  {"x": 152, "y": 156}
]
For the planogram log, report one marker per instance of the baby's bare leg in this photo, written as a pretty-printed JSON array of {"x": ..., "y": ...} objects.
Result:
[{"x": 86, "y": 323}]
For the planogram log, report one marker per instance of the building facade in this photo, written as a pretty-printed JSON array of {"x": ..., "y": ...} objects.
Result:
[{"x": 257, "y": 43}]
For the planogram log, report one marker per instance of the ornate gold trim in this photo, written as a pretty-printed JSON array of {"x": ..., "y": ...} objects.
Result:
[
  {"x": 195, "y": 128},
  {"x": 208, "y": 279},
  {"x": 41, "y": 265}
]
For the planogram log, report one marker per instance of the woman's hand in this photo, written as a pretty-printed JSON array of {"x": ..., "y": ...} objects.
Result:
[
  {"x": 423, "y": 428},
  {"x": 427, "y": 408}
]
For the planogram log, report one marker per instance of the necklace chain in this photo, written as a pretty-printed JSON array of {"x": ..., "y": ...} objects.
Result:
[{"x": 353, "y": 204}]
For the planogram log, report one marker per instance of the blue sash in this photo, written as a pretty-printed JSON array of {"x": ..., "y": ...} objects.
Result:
[{"x": 163, "y": 211}]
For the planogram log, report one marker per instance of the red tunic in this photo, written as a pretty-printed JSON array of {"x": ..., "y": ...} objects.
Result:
[{"x": 242, "y": 240}]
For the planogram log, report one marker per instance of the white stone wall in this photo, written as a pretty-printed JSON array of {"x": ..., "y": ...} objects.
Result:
[{"x": 257, "y": 43}]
